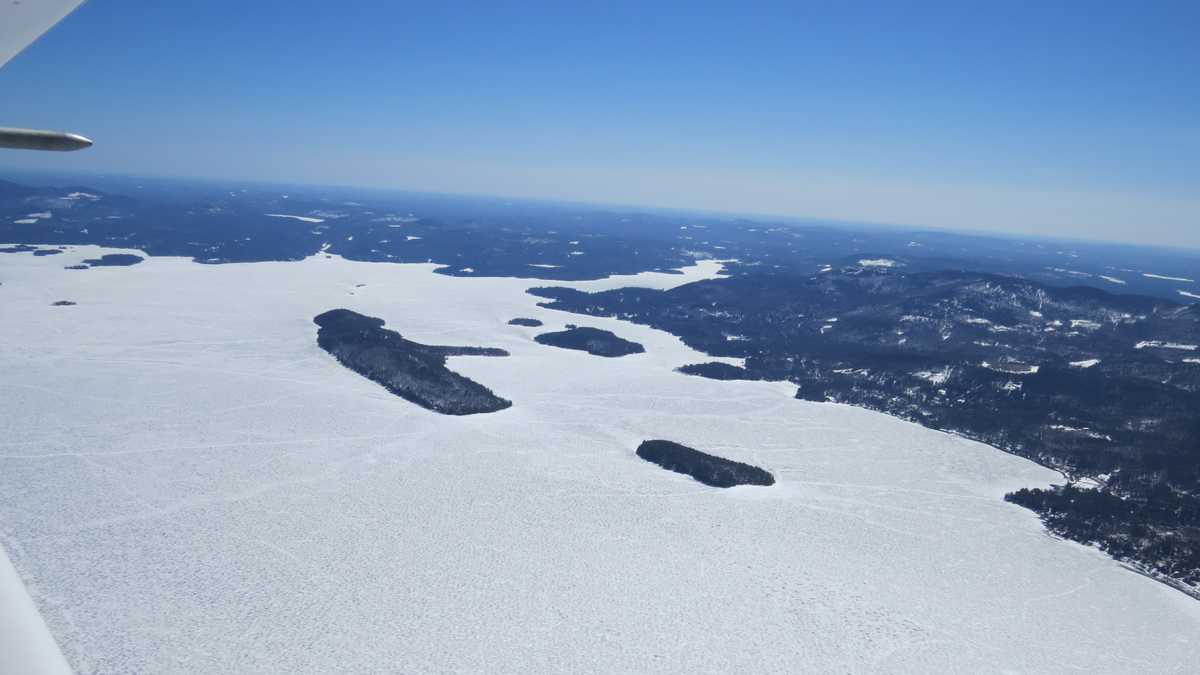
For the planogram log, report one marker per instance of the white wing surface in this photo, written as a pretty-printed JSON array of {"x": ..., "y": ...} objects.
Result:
[{"x": 23, "y": 21}]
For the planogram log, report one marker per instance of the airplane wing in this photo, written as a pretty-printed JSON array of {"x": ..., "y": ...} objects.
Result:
[{"x": 22, "y": 22}]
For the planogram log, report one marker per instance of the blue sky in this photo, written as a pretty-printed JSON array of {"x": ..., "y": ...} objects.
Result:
[{"x": 1072, "y": 119}]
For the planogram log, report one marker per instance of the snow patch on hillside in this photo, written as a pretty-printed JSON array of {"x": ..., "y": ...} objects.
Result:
[
  {"x": 876, "y": 262},
  {"x": 1159, "y": 344},
  {"x": 1167, "y": 278},
  {"x": 303, "y": 219},
  {"x": 936, "y": 377}
]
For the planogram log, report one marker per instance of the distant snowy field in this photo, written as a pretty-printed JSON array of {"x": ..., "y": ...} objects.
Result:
[{"x": 191, "y": 485}]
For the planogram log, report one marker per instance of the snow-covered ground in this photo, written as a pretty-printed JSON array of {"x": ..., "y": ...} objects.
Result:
[
  {"x": 191, "y": 485},
  {"x": 703, "y": 269},
  {"x": 1159, "y": 344},
  {"x": 876, "y": 262},
  {"x": 1167, "y": 278},
  {"x": 303, "y": 219}
]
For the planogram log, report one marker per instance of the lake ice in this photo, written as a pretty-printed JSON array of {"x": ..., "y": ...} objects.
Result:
[{"x": 191, "y": 485}]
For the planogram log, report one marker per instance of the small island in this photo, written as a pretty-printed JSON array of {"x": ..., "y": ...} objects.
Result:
[
  {"x": 114, "y": 260},
  {"x": 594, "y": 341},
  {"x": 410, "y": 370},
  {"x": 532, "y": 323},
  {"x": 716, "y": 370},
  {"x": 62, "y": 303},
  {"x": 708, "y": 469},
  {"x": 41, "y": 252}
]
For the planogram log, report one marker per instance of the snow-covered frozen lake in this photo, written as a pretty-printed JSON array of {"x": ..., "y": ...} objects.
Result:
[{"x": 191, "y": 485}]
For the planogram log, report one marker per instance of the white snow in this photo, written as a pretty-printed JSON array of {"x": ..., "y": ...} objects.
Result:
[
  {"x": 936, "y": 377},
  {"x": 1166, "y": 278},
  {"x": 303, "y": 219},
  {"x": 1164, "y": 345},
  {"x": 75, "y": 196},
  {"x": 1084, "y": 323},
  {"x": 1086, "y": 363},
  {"x": 1113, "y": 280},
  {"x": 1014, "y": 368},
  {"x": 703, "y": 269},
  {"x": 575, "y": 253},
  {"x": 1084, "y": 431},
  {"x": 1191, "y": 360},
  {"x": 546, "y": 266},
  {"x": 191, "y": 485},
  {"x": 876, "y": 262},
  {"x": 1187, "y": 294},
  {"x": 411, "y": 238},
  {"x": 33, "y": 218},
  {"x": 1074, "y": 273}
]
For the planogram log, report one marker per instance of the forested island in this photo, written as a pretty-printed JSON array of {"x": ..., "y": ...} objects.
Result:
[
  {"x": 705, "y": 468},
  {"x": 114, "y": 260},
  {"x": 594, "y": 341},
  {"x": 412, "y": 371}
]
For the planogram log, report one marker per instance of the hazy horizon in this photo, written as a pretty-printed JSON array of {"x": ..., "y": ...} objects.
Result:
[{"x": 57, "y": 178}]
